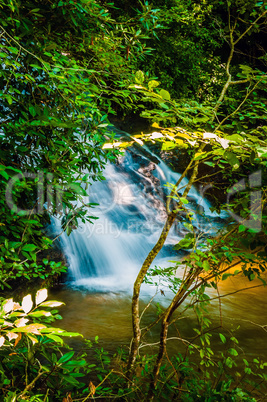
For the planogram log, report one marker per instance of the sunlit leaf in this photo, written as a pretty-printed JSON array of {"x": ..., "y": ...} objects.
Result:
[
  {"x": 165, "y": 94},
  {"x": 21, "y": 322},
  {"x": 223, "y": 339},
  {"x": 155, "y": 135},
  {"x": 8, "y": 305},
  {"x": 139, "y": 77},
  {"x": 206, "y": 265},
  {"x": 11, "y": 336},
  {"x": 27, "y": 303},
  {"x": 32, "y": 328},
  {"x": 51, "y": 303},
  {"x": 41, "y": 296}
]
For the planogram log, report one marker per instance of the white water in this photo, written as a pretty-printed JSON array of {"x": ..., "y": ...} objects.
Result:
[{"x": 105, "y": 256}]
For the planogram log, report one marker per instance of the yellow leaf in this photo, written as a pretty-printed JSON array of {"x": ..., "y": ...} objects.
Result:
[
  {"x": 32, "y": 329},
  {"x": 33, "y": 339}
]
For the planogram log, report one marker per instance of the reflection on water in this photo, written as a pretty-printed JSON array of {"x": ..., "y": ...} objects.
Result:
[{"x": 108, "y": 315}]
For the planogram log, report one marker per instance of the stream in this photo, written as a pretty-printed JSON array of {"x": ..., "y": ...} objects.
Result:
[{"x": 105, "y": 257}]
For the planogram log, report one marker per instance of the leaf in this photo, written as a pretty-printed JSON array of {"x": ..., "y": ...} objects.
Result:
[
  {"x": 206, "y": 265},
  {"x": 51, "y": 303},
  {"x": 233, "y": 352},
  {"x": 187, "y": 242},
  {"x": 139, "y": 77},
  {"x": 224, "y": 143},
  {"x": 29, "y": 247},
  {"x": 232, "y": 159},
  {"x": 165, "y": 94},
  {"x": 156, "y": 135},
  {"x": 212, "y": 164},
  {"x": 32, "y": 110},
  {"x": 153, "y": 84},
  {"x": 70, "y": 334},
  {"x": 225, "y": 276},
  {"x": 241, "y": 228},
  {"x": 200, "y": 155},
  {"x": 168, "y": 145},
  {"x": 32, "y": 329},
  {"x": 21, "y": 322},
  {"x": 65, "y": 357},
  {"x": 27, "y": 304},
  {"x": 41, "y": 296},
  {"x": 33, "y": 339},
  {"x": 55, "y": 338},
  {"x": 8, "y": 305},
  {"x": 262, "y": 152},
  {"x": 209, "y": 135},
  {"x": 223, "y": 339},
  {"x": 4, "y": 174},
  {"x": 2, "y": 341},
  {"x": 40, "y": 313},
  {"x": 11, "y": 336},
  {"x": 184, "y": 200}
]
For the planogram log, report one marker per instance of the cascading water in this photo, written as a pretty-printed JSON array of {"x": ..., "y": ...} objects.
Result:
[{"x": 106, "y": 255}]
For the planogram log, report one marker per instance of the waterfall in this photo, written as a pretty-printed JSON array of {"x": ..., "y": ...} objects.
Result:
[{"x": 106, "y": 255}]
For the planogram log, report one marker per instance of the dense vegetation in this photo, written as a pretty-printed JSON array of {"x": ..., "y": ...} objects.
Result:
[{"x": 66, "y": 68}]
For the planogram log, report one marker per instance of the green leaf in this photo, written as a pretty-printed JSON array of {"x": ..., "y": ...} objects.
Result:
[
  {"x": 55, "y": 338},
  {"x": 232, "y": 159},
  {"x": 32, "y": 110},
  {"x": 185, "y": 243},
  {"x": 225, "y": 276},
  {"x": 184, "y": 200},
  {"x": 29, "y": 247},
  {"x": 41, "y": 313},
  {"x": 65, "y": 357},
  {"x": 168, "y": 145},
  {"x": 241, "y": 228},
  {"x": 153, "y": 84},
  {"x": 139, "y": 77},
  {"x": 233, "y": 352},
  {"x": 51, "y": 303},
  {"x": 223, "y": 339},
  {"x": 200, "y": 155},
  {"x": 4, "y": 174},
  {"x": 206, "y": 265},
  {"x": 165, "y": 94}
]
